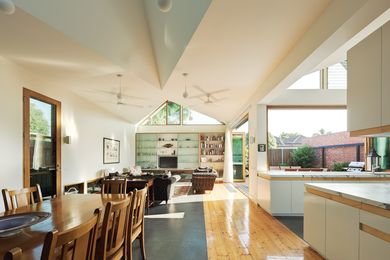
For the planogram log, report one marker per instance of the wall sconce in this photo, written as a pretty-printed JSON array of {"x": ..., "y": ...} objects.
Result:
[{"x": 67, "y": 139}]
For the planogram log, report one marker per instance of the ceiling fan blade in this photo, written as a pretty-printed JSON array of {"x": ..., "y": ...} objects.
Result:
[
  {"x": 200, "y": 89},
  {"x": 218, "y": 91},
  {"x": 215, "y": 100},
  {"x": 133, "y": 97},
  {"x": 130, "y": 105},
  {"x": 99, "y": 91},
  {"x": 198, "y": 96}
]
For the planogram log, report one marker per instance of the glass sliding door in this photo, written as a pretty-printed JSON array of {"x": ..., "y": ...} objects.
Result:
[{"x": 42, "y": 143}]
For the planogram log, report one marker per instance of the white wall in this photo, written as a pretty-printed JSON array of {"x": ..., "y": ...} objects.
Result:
[{"x": 86, "y": 123}]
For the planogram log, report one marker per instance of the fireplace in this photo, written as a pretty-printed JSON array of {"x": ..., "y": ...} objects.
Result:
[{"x": 167, "y": 162}]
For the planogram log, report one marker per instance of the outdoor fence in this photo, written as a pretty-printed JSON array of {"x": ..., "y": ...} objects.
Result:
[{"x": 326, "y": 156}]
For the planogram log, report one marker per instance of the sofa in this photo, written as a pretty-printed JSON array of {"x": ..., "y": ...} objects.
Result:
[
  {"x": 163, "y": 187},
  {"x": 203, "y": 179}
]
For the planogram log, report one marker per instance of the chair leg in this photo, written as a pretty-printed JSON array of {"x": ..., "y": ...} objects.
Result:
[
  {"x": 130, "y": 252},
  {"x": 142, "y": 244}
]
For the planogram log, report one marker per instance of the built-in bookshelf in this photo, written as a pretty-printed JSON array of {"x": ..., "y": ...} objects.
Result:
[
  {"x": 184, "y": 146},
  {"x": 191, "y": 149},
  {"x": 188, "y": 151},
  {"x": 212, "y": 151}
]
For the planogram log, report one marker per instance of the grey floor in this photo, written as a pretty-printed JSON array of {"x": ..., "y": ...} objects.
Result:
[
  {"x": 170, "y": 238},
  {"x": 295, "y": 224}
]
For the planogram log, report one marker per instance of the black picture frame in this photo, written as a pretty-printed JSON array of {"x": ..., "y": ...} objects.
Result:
[{"x": 111, "y": 151}]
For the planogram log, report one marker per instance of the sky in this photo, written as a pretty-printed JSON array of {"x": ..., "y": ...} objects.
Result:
[{"x": 306, "y": 121}]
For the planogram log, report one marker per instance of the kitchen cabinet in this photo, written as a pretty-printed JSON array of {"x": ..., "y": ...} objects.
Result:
[
  {"x": 314, "y": 222},
  {"x": 342, "y": 231},
  {"x": 368, "y": 93},
  {"x": 364, "y": 93},
  {"x": 297, "y": 196},
  {"x": 386, "y": 74},
  {"x": 372, "y": 247},
  {"x": 281, "y": 197}
]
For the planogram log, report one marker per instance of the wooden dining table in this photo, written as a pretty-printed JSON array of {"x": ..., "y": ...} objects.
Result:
[{"x": 67, "y": 211}]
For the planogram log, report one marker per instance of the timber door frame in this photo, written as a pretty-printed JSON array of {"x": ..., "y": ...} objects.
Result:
[{"x": 27, "y": 94}]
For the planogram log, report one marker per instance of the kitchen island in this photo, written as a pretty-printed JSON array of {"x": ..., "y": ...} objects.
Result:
[
  {"x": 281, "y": 193},
  {"x": 348, "y": 220}
]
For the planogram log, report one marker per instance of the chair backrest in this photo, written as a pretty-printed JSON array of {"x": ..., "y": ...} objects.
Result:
[
  {"x": 114, "y": 186},
  {"x": 112, "y": 242},
  {"x": 19, "y": 198},
  {"x": 13, "y": 254},
  {"x": 138, "y": 207},
  {"x": 76, "y": 243}
]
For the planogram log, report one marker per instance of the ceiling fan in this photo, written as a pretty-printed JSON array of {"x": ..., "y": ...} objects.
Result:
[
  {"x": 210, "y": 98},
  {"x": 119, "y": 96}
]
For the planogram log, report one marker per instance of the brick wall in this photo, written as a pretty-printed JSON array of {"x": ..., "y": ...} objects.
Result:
[{"x": 338, "y": 154}]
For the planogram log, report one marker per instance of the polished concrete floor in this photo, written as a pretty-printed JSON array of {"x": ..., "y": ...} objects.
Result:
[
  {"x": 174, "y": 231},
  {"x": 295, "y": 224}
]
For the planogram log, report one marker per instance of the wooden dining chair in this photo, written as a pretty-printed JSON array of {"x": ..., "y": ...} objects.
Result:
[
  {"x": 19, "y": 198},
  {"x": 136, "y": 226},
  {"x": 114, "y": 186},
  {"x": 76, "y": 243},
  {"x": 112, "y": 242},
  {"x": 13, "y": 254}
]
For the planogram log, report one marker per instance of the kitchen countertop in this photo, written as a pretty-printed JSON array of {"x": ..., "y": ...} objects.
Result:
[
  {"x": 376, "y": 194},
  {"x": 325, "y": 174}
]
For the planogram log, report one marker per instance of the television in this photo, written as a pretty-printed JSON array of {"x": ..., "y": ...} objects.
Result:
[{"x": 167, "y": 162}]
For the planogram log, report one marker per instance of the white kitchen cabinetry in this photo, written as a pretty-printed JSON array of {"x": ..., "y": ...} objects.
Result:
[
  {"x": 342, "y": 231},
  {"x": 297, "y": 196},
  {"x": 372, "y": 247},
  {"x": 368, "y": 90},
  {"x": 314, "y": 222},
  {"x": 364, "y": 93},
  {"x": 281, "y": 197},
  {"x": 386, "y": 74}
]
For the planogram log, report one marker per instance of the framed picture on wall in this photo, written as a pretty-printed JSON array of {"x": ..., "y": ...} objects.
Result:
[{"x": 111, "y": 151}]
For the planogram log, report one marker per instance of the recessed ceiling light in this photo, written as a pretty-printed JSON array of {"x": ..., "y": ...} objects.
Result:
[
  {"x": 164, "y": 5},
  {"x": 7, "y": 6}
]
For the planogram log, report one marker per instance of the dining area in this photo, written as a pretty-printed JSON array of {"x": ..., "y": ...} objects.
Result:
[{"x": 74, "y": 226}]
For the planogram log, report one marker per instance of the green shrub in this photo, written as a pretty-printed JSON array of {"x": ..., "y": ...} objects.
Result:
[
  {"x": 339, "y": 167},
  {"x": 304, "y": 156}
]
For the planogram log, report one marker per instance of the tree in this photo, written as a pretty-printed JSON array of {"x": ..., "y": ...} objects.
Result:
[
  {"x": 271, "y": 141},
  {"x": 304, "y": 156},
  {"x": 38, "y": 123}
]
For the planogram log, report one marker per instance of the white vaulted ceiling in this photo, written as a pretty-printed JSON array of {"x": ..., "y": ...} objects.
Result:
[{"x": 222, "y": 44}]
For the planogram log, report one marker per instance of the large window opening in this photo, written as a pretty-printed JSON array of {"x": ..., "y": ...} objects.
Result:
[
  {"x": 311, "y": 138},
  {"x": 171, "y": 113},
  {"x": 333, "y": 77}
]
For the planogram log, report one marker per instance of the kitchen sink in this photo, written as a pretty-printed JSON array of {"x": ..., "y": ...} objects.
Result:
[{"x": 13, "y": 224}]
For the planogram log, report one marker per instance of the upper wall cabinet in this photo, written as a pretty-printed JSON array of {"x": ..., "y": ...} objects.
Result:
[
  {"x": 386, "y": 74},
  {"x": 369, "y": 84}
]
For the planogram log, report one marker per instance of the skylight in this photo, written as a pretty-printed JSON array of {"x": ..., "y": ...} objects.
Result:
[{"x": 171, "y": 113}]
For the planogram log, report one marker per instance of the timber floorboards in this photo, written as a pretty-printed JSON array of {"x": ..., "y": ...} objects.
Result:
[{"x": 236, "y": 228}]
